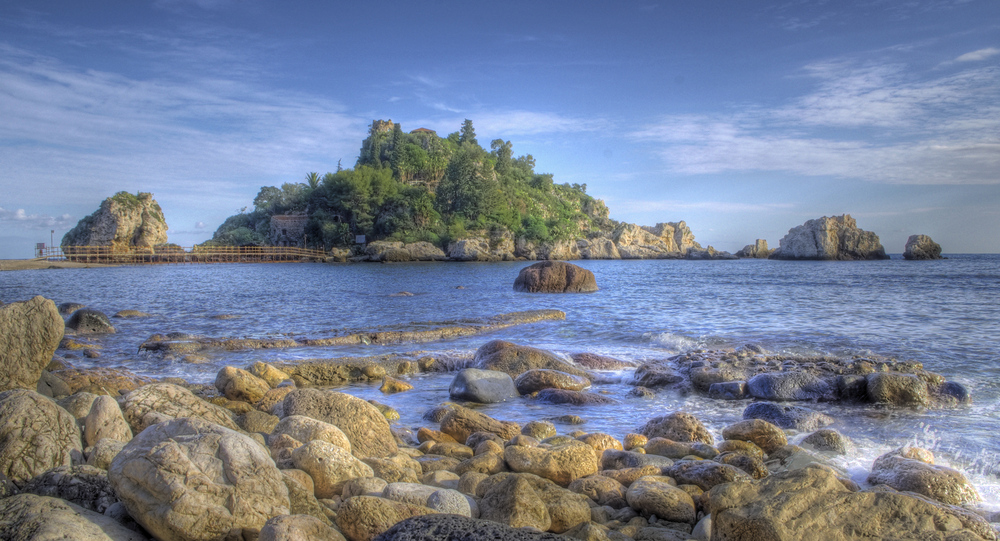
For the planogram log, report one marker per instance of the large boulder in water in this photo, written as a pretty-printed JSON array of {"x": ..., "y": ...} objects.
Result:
[
  {"x": 30, "y": 332},
  {"x": 123, "y": 221},
  {"x": 483, "y": 386},
  {"x": 555, "y": 277},
  {"x": 830, "y": 238},
  {"x": 824, "y": 509},
  {"x": 516, "y": 360},
  {"x": 921, "y": 247},
  {"x": 362, "y": 423},
  {"x": 89, "y": 321},
  {"x": 36, "y": 435},
  {"x": 189, "y": 479}
]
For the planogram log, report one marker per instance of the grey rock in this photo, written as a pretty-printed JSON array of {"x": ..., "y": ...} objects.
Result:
[
  {"x": 158, "y": 402},
  {"x": 793, "y": 417},
  {"x": 483, "y": 386},
  {"x": 89, "y": 321},
  {"x": 921, "y": 247},
  {"x": 830, "y": 238},
  {"x": 797, "y": 385},
  {"x": 85, "y": 486},
  {"x": 27, "y": 517}
]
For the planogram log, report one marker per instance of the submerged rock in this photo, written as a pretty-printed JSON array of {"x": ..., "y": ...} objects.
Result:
[{"x": 830, "y": 238}]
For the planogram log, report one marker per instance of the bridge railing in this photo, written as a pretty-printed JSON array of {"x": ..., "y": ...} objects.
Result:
[{"x": 178, "y": 255}]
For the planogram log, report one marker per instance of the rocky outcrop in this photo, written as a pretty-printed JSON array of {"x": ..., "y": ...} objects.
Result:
[
  {"x": 830, "y": 238},
  {"x": 395, "y": 251},
  {"x": 30, "y": 332},
  {"x": 555, "y": 277},
  {"x": 473, "y": 249},
  {"x": 757, "y": 250},
  {"x": 516, "y": 359},
  {"x": 921, "y": 247},
  {"x": 124, "y": 221}
]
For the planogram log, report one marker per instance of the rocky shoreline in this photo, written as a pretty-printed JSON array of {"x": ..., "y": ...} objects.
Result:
[{"x": 270, "y": 452}]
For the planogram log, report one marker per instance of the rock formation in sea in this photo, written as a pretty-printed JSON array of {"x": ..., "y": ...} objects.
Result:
[
  {"x": 830, "y": 238},
  {"x": 123, "y": 221},
  {"x": 555, "y": 277},
  {"x": 757, "y": 250},
  {"x": 921, "y": 247}
]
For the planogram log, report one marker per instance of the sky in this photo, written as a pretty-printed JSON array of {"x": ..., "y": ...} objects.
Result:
[{"x": 743, "y": 119}]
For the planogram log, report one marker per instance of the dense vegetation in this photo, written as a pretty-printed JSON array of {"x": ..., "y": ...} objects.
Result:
[{"x": 420, "y": 187}]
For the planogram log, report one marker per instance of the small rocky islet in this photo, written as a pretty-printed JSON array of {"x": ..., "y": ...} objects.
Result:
[{"x": 270, "y": 451}]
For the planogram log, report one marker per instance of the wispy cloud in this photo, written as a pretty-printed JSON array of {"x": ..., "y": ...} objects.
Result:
[
  {"x": 519, "y": 122},
  {"x": 872, "y": 122},
  {"x": 671, "y": 205},
  {"x": 976, "y": 56},
  {"x": 35, "y": 221}
]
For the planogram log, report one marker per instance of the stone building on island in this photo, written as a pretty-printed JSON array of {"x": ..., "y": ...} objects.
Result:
[{"x": 288, "y": 229}]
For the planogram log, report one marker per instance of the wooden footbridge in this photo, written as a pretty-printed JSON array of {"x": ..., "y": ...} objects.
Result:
[{"x": 176, "y": 255}]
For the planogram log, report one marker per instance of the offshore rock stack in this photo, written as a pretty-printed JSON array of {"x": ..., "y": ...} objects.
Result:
[{"x": 264, "y": 454}]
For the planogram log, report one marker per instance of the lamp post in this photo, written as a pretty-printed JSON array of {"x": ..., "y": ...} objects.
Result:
[{"x": 51, "y": 237}]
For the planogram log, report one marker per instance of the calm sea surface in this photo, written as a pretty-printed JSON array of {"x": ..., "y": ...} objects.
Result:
[{"x": 945, "y": 314}]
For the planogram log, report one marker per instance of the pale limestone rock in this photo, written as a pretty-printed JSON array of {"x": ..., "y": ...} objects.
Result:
[
  {"x": 157, "y": 402},
  {"x": 921, "y": 247},
  {"x": 237, "y": 384},
  {"x": 306, "y": 429},
  {"x": 105, "y": 420},
  {"x": 30, "y": 332},
  {"x": 35, "y": 435},
  {"x": 27, "y": 517},
  {"x": 329, "y": 466},
  {"x": 830, "y": 238},
  {"x": 123, "y": 221}
]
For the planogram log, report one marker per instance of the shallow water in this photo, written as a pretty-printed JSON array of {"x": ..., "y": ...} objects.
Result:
[{"x": 945, "y": 314}]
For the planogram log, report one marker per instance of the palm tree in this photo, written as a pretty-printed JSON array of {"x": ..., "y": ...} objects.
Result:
[{"x": 313, "y": 180}]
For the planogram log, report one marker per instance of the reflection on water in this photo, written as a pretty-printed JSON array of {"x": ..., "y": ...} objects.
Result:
[{"x": 945, "y": 314}]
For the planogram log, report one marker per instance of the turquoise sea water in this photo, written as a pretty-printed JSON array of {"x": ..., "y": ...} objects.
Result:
[{"x": 945, "y": 314}]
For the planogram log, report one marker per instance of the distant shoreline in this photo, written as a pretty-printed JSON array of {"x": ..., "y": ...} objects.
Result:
[{"x": 35, "y": 264}]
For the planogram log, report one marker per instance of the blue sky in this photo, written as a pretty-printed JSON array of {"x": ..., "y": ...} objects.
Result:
[{"x": 743, "y": 118}]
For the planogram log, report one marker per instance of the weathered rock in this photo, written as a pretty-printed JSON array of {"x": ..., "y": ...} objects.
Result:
[
  {"x": 454, "y": 528},
  {"x": 52, "y": 386},
  {"x": 921, "y": 247},
  {"x": 593, "y": 361},
  {"x": 445, "y": 501},
  {"x": 655, "y": 495},
  {"x": 938, "y": 482},
  {"x": 298, "y": 528},
  {"x": 362, "y": 423},
  {"x": 109, "y": 381},
  {"x": 272, "y": 375},
  {"x": 602, "y": 489},
  {"x": 542, "y": 378},
  {"x": 103, "y": 452},
  {"x": 796, "y": 385},
  {"x": 597, "y": 248},
  {"x": 364, "y": 486},
  {"x": 329, "y": 466},
  {"x": 830, "y": 238},
  {"x": 483, "y": 386},
  {"x": 516, "y": 360},
  {"x": 130, "y": 314},
  {"x": 634, "y": 242},
  {"x": 677, "y": 449},
  {"x": 793, "y": 417},
  {"x": 627, "y": 476},
  {"x": 654, "y": 374},
  {"x": 190, "y": 479},
  {"x": 474, "y": 249},
  {"x": 123, "y": 221},
  {"x": 561, "y": 464},
  {"x": 424, "y": 251},
  {"x": 709, "y": 253},
  {"x": 555, "y": 277},
  {"x": 396, "y": 471},
  {"x": 67, "y": 308},
  {"x": 897, "y": 389},
  {"x": 764, "y": 434},
  {"x": 257, "y": 421},
  {"x": 763, "y": 510},
  {"x": 677, "y": 426},
  {"x": 27, "y": 517},
  {"x": 105, "y": 420},
  {"x": 89, "y": 321},
  {"x": 705, "y": 474},
  {"x": 753, "y": 465},
  {"x": 612, "y": 459},
  {"x": 828, "y": 440},
  {"x": 728, "y": 390},
  {"x": 163, "y": 401},
  {"x": 30, "y": 332},
  {"x": 35, "y": 435},
  {"x": 391, "y": 385},
  {"x": 362, "y": 518},
  {"x": 576, "y": 398},
  {"x": 539, "y": 429},
  {"x": 85, "y": 486},
  {"x": 237, "y": 384},
  {"x": 757, "y": 250},
  {"x": 460, "y": 423},
  {"x": 514, "y": 498},
  {"x": 306, "y": 429}
]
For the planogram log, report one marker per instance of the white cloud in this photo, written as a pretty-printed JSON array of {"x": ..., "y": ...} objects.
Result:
[
  {"x": 981, "y": 54},
  {"x": 533, "y": 122},
  {"x": 716, "y": 207},
  {"x": 35, "y": 221},
  {"x": 199, "y": 225},
  {"x": 871, "y": 122}
]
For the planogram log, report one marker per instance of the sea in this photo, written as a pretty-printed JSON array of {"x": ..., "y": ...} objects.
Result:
[{"x": 944, "y": 314}]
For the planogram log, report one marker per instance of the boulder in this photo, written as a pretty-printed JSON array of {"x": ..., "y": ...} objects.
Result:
[
  {"x": 109, "y": 381},
  {"x": 593, "y": 361},
  {"x": 29, "y": 517},
  {"x": 555, "y": 277},
  {"x": 298, "y": 528},
  {"x": 792, "y": 417},
  {"x": 516, "y": 359},
  {"x": 362, "y": 423},
  {"x": 85, "y": 486},
  {"x": 30, "y": 332},
  {"x": 654, "y": 374},
  {"x": 757, "y": 250},
  {"x": 602, "y": 489},
  {"x": 307, "y": 429},
  {"x": 795, "y": 385},
  {"x": 329, "y": 466},
  {"x": 460, "y": 423},
  {"x": 763, "y": 510},
  {"x": 163, "y": 401},
  {"x": 676, "y": 449},
  {"x": 830, "y": 238},
  {"x": 677, "y": 426},
  {"x": 391, "y": 385},
  {"x": 538, "y": 429},
  {"x": 613, "y": 459},
  {"x": 105, "y": 420},
  {"x": 362, "y": 518},
  {"x": 921, "y": 247},
  {"x": 523, "y": 499},
  {"x": 576, "y": 398},
  {"x": 189, "y": 479},
  {"x": 424, "y": 251},
  {"x": 483, "y": 386},
  {"x": 897, "y": 389},
  {"x": 123, "y": 221},
  {"x": 269, "y": 373},
  {"x": 89, "y": 321},
  {"x": 543, "y": 378},
  {"x": 656, "y": 495},
  {"x": 36, "y": 435},
  {"x": 561, "y": 464},
  {"x": 238, "y": 384},
  {"x": 937, "y": 482},
  {"x": 454, "y": 527},
  {"x": 828, "y": 440},
  {"x": 103, "y": 452},
  {"x": 705, "y": 474},
  {"x": 474, "y": 249},
  {"x": 762, "y": 433}
]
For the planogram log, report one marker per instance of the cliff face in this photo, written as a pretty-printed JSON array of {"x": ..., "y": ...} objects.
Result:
[
  {"x": 830, "y": 238},
  {"x": 123, "y": 221}
]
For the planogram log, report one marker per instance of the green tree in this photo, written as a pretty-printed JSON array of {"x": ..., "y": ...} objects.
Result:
[
  {"x": 312, "y": 179},
  {"x": 503, "y": 151},
  {"x": 467, "y": 134}
]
